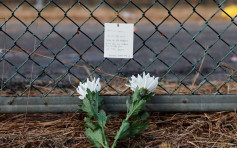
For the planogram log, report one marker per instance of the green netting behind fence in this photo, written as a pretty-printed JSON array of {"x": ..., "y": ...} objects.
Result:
[{"x": 48, "y": 49}]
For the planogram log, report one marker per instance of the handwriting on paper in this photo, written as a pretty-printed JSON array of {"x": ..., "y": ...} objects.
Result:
[{"x": 118, "y": 40}]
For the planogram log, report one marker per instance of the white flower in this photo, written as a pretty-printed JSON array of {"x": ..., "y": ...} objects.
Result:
[
  {"x": 146, "y": 82},
  {"x": 93, "y": 86}
]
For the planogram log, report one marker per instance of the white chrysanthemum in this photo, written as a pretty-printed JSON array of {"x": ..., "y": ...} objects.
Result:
[
  {"x": 146, "y": 82},
  {"x": 93, "y": 86}
]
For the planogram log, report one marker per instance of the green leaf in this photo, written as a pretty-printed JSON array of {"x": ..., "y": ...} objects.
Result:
[
  {"x": 138, "y": 100},
  {"x": 121, "y": 134},
  {"x": 96, "y": 102},
  {"x": 95, "y": 137},
  {"x": 86, "y": 107},
  {"x": 144, "y": 115},
  {"x": 95, "y": 132},
  {"x": 100, "y": 100},
  {"x": 89, "y": 123},
  {"x": 147, "y": 96},
  {"x": 102, "y": 118},
  {"x": 135, "y": 108},
  {"x": 138, "y": 107},
  {"x": 136, "y": 128},
  {"x": 135, "y": 95},
  {"x": 89, "y": 95},
  {"x": 143, "y": 92},
  {"x": 94, "y": 143},
  {"x": 128, "y": 105}
]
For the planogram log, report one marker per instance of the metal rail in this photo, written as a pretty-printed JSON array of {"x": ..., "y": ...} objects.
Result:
[{"x": 163, "y": 103}]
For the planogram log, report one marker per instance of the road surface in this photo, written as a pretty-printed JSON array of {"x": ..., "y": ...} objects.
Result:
[{"x": 170, "y": 58}]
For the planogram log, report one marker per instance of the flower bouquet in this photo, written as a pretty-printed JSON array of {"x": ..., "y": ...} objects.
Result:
[{"x": 143, "y": 88}]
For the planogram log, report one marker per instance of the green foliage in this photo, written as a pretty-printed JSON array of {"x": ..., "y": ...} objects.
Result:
[
  {"x": 102, "y": 118},
  {"x": 87, "y": 107},
  {"x": 89, "y": 123},
  {"x": 91, "y": 103},
  {"x": 122, "y": 133},
  {"x": 96, "y": 137},
  {"x": 144, "y": 115},
  {"x": 136, "y": 128},
  {"x": 97, "y": 118},
  {"x": 95, "y": 130},
  {"x": 131, "y": 129}
]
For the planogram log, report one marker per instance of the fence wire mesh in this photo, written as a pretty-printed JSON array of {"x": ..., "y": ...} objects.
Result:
[{"x": 48, "y": 49}]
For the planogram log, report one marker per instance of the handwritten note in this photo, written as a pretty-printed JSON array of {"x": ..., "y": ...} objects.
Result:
[{"x": 118, "y": 40}]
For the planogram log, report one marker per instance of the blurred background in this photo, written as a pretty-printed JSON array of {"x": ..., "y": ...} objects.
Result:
[
  {"x": 115, "y": 2},
  {"x": 57, "y": 44}
]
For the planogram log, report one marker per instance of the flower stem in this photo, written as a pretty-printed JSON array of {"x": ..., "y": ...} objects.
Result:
[
  {"x": 104, "y": 137},
  {"x": 135, "y": 108},
  {"x": 119, "y": 133},
  {"x": 115, "y": 141}
]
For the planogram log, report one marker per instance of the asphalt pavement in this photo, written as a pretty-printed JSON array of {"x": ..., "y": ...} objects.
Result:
[{"x": 172, "y": 53}]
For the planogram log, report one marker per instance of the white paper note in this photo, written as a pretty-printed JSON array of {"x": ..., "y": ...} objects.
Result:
[{"x": 118, "y": 40}]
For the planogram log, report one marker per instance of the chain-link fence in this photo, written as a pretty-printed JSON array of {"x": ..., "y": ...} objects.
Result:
[{"x": 47, "y": 50}]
